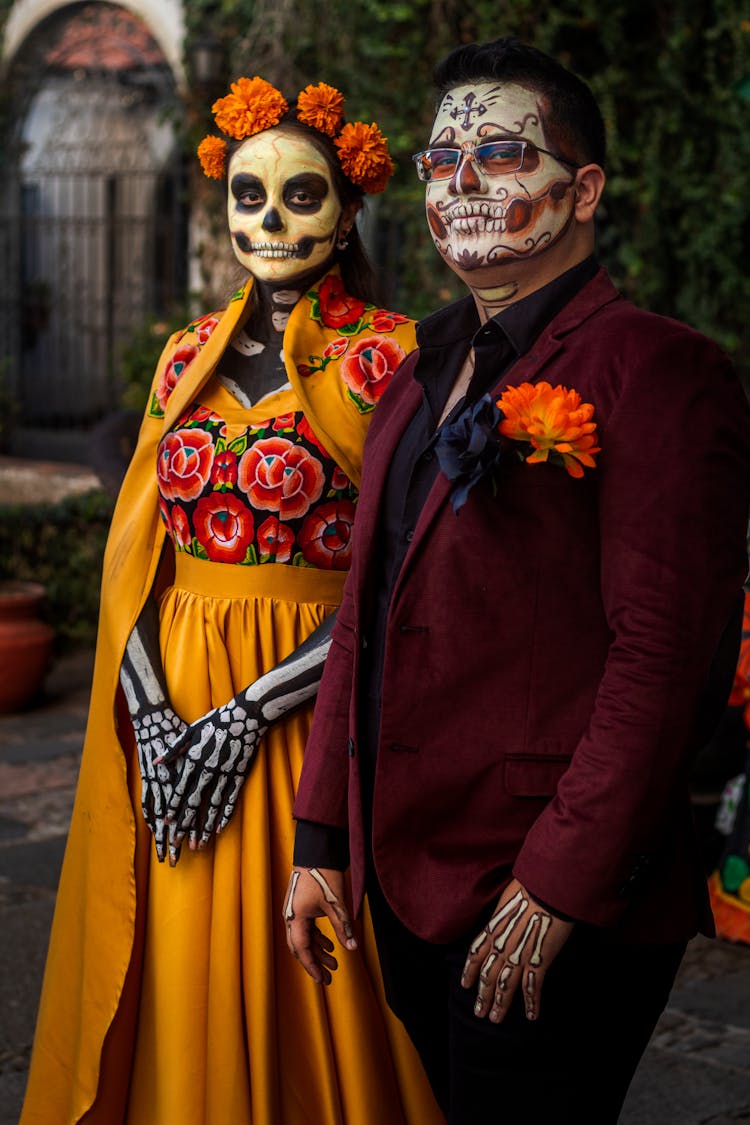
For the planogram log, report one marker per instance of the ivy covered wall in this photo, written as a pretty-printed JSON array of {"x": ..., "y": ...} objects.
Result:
[{"x": 673, "y": 80}]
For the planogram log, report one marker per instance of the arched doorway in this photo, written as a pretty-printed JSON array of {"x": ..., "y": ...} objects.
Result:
[{"x": 93, "y": 222}]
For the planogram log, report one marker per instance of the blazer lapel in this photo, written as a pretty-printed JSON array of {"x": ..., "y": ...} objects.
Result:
[
  {"x": 404, "y": 396},
  {"x": 535, "y": 363},
  {"x": 531, "y": 366}
]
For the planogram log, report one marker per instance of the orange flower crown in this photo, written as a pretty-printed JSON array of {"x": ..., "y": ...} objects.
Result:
[{"x": 255, "y": 105}]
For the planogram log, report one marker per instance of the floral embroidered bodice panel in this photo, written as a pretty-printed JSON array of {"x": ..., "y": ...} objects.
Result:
[{"x": 253, "y": 485}]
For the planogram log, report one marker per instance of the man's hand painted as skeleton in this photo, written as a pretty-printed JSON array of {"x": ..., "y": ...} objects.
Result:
[
  {"x": 155, "y": 725},
  {"x": 514, "y": 950},
  {"x": 218, "y": 748},
  {"x": 317, "y": 892}
]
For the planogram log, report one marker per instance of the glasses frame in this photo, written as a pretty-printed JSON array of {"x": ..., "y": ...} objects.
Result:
[{"x": 470, "y": 153}]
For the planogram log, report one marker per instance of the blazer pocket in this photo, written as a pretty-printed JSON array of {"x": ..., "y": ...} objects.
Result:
[{"x": 534, "y": 775}]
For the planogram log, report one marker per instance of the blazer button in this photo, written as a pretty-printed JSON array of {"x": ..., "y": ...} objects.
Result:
[{"x": 350, "y": 747}]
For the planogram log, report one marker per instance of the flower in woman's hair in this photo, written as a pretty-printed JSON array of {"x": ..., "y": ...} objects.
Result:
[
  {"x": 363, "y": 155},
  {"x": 252, "y": 106},
  {"x": 554, "y": 421},
  {"x": 212, "y": 153},
  {"x": 321, "y": 107}
]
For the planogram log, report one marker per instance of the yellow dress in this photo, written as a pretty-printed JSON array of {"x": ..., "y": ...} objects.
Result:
[{"x": 169, "y": 993}]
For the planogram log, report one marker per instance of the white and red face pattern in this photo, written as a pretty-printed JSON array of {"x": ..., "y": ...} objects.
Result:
[
  {"x": 282, "y": 206},
  {"x": 478, "y": 220}
]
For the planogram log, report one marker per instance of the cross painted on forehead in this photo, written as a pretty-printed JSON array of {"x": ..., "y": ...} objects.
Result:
[
  {"x": 485, "y": 108},
  {"x": 470, "y": 107}
]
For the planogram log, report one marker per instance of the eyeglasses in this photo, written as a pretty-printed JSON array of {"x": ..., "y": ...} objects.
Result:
[{"x": 495, "y": 158}]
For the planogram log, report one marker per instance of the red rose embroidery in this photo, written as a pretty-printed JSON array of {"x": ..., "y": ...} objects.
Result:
[
  {"x": 305, "y": 430},
  {"x": 224, "y": 470},
  {"x": 283, "y": 422},
  {"x": 336, "y": 348},
  {"x": 385, "y": 321},
  {"x": 275, "y": 539},
  {"x": 181, "y": 527},
  {"x": 205, "y": 327},
  {"x": 173, "y": 372},
  {"x": 184, "y": 463},
  {"x": 224, "y": 526},
  {"x": 339, "y": 480},
  {"x": 368, "y": 367},
  {"x": 337, "y": 308},
  {"x": 164, "y": 513},
  {"x": 325, "y": 538},
  {"x": 281, "y": 477},
  {"x": 304, "y": 369}
]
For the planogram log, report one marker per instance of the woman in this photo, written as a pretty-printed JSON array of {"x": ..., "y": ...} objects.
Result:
[{"x": 167, "y": 995}]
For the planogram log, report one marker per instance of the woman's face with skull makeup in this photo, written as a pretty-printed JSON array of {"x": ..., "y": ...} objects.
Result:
[
  {"x": 478, "y": 219},
  {"x": 283, "y": 209}
]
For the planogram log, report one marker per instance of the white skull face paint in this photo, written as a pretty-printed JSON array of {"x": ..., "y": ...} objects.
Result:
[
  {"x": 479, "y": 220},
  {"x": 282, "y": 206}
]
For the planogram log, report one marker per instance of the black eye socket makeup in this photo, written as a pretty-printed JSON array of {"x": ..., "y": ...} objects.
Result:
[
  {"x": 248, "y": 191},
  {"x": 305, "y": 192}
]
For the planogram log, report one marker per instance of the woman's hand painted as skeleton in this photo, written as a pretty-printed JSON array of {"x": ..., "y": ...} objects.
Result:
[
  {"x": 155, "y": 725},
  {"x": 514, "y": 950},
  {"x": 218, "y": 748}
]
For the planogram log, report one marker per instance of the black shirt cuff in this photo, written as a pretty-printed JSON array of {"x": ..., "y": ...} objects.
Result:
[
  {"x": 321, "y": 845},
  {"x": 552, "y": 909}
]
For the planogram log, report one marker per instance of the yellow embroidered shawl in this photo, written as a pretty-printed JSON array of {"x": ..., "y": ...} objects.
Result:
[{"x": 93, "y": 929}]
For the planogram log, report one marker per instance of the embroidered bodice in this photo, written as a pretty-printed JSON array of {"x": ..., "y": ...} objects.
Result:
[{"x": 253, "y": 486}]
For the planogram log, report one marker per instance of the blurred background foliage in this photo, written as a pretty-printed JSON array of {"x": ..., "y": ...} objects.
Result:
[
  {"x": 60, "y": 545},
  {"x": 673, "y": 81}
]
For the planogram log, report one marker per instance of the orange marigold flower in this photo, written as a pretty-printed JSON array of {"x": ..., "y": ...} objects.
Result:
[
  {"x": 363, "y": 154},
  {"x": 252, "y": 106},
  {"x": 321, "y": 107},
  {"x": 554, "y": 421},
  {"x": 212, "y": 153}
]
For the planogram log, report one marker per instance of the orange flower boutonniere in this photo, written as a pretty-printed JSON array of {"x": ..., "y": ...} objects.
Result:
[
  {"x": 553, "y": 420},
  {"x": 551, "y": 423}
]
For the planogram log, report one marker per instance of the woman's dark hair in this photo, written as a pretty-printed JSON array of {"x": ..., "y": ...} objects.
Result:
[
  {"x": 357, "y": 272},
  {"x": 572, "y": 119}
]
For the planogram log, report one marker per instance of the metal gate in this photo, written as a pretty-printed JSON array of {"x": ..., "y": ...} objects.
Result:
[{"x": 92, "y": 237}]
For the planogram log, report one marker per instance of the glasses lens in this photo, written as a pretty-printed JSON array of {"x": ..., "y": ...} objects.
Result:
[
  {"x": 436, "y": 163},
  {"x": 497, "y": 158}
]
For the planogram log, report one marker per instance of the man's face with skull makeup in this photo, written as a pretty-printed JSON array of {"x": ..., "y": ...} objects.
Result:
[
  {"x": 282, "y": 206},
  {"x": 476, "y": 219}
]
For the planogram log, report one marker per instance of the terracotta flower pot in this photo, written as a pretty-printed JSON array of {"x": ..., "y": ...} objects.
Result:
[{"x": 25, "y": 643}]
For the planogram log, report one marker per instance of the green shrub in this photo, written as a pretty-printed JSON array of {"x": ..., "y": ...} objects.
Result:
[
  {"x": 60, "y": 545},
  {"x": 140, "y": 353}
]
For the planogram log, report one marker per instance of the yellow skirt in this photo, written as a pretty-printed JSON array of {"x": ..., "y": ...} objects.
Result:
[{"x": 227, "y": 1029}]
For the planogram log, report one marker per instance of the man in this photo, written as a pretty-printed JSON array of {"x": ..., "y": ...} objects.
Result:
[{"x": 527, "y": 630}]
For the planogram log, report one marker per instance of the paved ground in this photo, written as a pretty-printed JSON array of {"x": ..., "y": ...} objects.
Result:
[{"x": 696, "y": 1071}]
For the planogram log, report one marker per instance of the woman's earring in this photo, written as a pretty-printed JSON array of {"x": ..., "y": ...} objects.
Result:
[{"x": 343, "y": 241}]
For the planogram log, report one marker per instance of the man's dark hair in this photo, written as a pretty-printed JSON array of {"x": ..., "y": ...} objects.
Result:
[{"x": 572, "y": 120}]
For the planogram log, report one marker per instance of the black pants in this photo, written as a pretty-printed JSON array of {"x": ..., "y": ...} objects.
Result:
[{"x": 572, "y": 1066}]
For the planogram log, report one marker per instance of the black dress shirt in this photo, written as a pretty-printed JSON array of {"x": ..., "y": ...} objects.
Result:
[{"x": 444, "y": 340}]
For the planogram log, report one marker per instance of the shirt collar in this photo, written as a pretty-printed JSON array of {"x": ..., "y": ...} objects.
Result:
[{"x": 521, "y": 322}]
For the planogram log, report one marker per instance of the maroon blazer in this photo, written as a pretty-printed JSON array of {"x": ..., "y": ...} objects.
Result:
[{"x": 547, "y": 647}]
